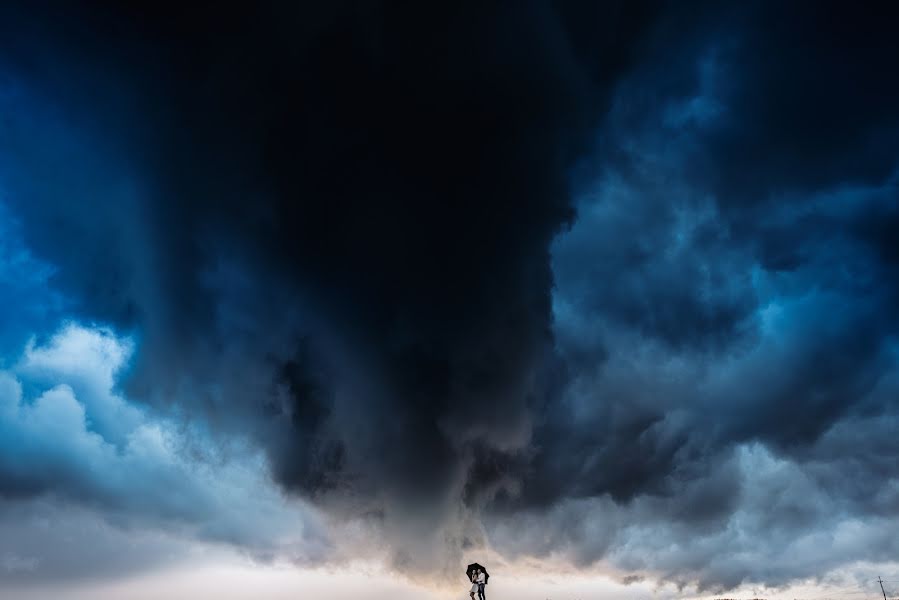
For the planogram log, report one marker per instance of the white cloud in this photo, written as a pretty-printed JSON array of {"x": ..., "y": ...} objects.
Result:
[
  {"x": 88, "y": 360},
  {"x": 68, "y": 437}
]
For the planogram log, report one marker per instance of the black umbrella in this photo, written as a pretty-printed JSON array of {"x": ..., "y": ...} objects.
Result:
[{"x": 474, "y": 566}]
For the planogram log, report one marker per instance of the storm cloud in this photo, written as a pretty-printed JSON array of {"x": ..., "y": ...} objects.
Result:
[{"x": 540, "y": 277}]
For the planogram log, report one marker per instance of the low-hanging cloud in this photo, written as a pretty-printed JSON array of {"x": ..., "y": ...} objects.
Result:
[{"x": 67, "y": 435}]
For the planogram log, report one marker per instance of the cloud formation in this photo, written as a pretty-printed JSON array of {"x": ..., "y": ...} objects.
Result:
[
  {"x": 613, "y": 281},
  {"x": 725, "y": 318},
  {"x": 66, "y": 435}
]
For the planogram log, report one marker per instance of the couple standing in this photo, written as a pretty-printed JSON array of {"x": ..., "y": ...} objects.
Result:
[{"x": 478, "y": 580}]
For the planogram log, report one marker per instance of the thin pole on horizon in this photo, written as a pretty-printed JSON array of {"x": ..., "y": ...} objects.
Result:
[{"x": 880, "y": 581}]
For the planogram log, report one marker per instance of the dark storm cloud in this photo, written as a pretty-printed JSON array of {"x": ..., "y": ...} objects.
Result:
[
  {"x": 724, "y": 285},
  {"x": 818, "y": 107},
  {"x": 333, "y": 224},
  {"x": 598, "y": 274}
]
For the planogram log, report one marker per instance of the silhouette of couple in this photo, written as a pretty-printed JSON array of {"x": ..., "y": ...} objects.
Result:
[{"x": 478, "y": 580}]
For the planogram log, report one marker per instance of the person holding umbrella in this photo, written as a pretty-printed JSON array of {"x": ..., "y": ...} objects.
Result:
[{"x": 478, "y": 576}]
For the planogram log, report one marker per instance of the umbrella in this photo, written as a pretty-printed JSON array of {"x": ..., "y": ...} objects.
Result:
[{"x": 471, "y": 569}]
